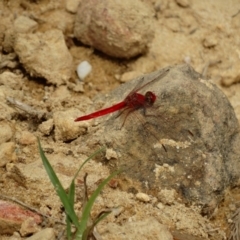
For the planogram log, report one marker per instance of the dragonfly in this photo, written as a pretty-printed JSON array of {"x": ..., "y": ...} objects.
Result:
[{"x": 133, "y": 101}]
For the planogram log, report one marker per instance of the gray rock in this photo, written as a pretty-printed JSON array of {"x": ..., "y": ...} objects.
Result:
[{"x": 194, "y": 121}]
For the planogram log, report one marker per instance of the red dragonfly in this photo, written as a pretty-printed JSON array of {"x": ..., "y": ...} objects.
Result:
[{"x": 132, "y": 101}]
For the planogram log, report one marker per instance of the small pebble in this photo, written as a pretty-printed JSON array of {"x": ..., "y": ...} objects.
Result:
[
  {"x": 111, "y": 154},
  {"x": 47, "y": 234},
  {"x": 7, "y": 153},
  {"x": 83, "y": 69},
  {"x": 6, "y": 132},
  {"x": 46, "y": 127},
  {"x": 210, "y": 41},
  {"x": 29, "y": 226},
  {"x": 143, "y": 197},
  {"x": 167, "y": 196},
  {"x": 72, "y": 5},
  {"x": 65, "y": 127},
  {"x": 160, "y": 206},
  {"x": 24, "y": 24},
  {"x": 26, "y": 138}
]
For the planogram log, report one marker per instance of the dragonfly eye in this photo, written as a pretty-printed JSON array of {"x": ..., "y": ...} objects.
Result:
[{"x": 150, "y": 98}]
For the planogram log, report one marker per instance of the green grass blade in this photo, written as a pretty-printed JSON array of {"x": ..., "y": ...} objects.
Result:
[
  {"x": 89, "y": 204},
  {"x": 71, "y": 194},
  {"x": 71, "y": 197},
  {"x": 59, "y": 188},
  {"x": 69, "y": 230}
]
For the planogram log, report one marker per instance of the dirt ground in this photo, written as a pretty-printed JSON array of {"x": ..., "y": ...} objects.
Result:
[{"x": 200, "y": 33}]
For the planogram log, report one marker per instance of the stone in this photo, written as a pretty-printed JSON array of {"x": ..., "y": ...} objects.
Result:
[
  {"x": 7, "y": 153},
  {"x": 26, "y": 138},
  {"x": 15, "y": 173},
  {"x": 46, "y": 234},
  {"x": 120, "y": 29},
  {"x": 111, "y": 154},
  {"x": 29, "y": 226},
  {"x": 23, "y": 24},
  {"x": 72, "y": 5},
  {"x": 46, "y": 127},
  {"x": 65, "y": 127},
  {"x": 12, "y": 216},
  {"x": 166, "y": 196},
  {"x": 210, "y": 41},
  {"x": 143, "y": 197},
  {"x": 45, "y": 55},
  {"x": 6, "y": 132},
  {"x": 187, "y": 141}
]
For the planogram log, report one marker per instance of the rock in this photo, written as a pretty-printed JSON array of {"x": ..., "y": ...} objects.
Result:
[
  {"x": 6, "y": 112},
  {"x": 72, "y": 5},
  {"x": 167, "y": 196},
  {"x": 8, "y": 60},
  {"x": 110, "y": 154},
  {"x": 84, "y": 69},
  {"x": 6, "y": 132},
  {"x": 143, "y": 197},
  {"x": 120, "y": 29},
  {"x": 210, "y": 41},
  {"x": 14, "y": 172},
  {"x": 46, "y": 127},
  {"x": 46, "y": 234},
  {"x": 188, "y": 140},
  {"x": 26, "y": 138},
  {"x": 9, "y": 39},
  {"x": 24, "y": 24},
  {"x": 65, "y": 127},
  {"x": 45, "y": 55},
  {"x": 12, "y": 216},
  {"x": 136, "y": 230},
  {"x": 29, "y": 226},
  {"x": 7, "y": 153}
]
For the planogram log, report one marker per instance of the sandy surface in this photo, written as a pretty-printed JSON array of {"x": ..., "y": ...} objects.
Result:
[{"x": 202, "y": 33}]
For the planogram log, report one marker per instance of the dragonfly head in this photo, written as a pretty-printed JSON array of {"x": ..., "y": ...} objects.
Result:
[{"x": 150, "y": 98}]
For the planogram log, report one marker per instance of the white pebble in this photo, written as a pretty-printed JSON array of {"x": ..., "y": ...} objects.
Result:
[
  {"x": 83, "y": 69},
  {"x": 143, "y": 197}
]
